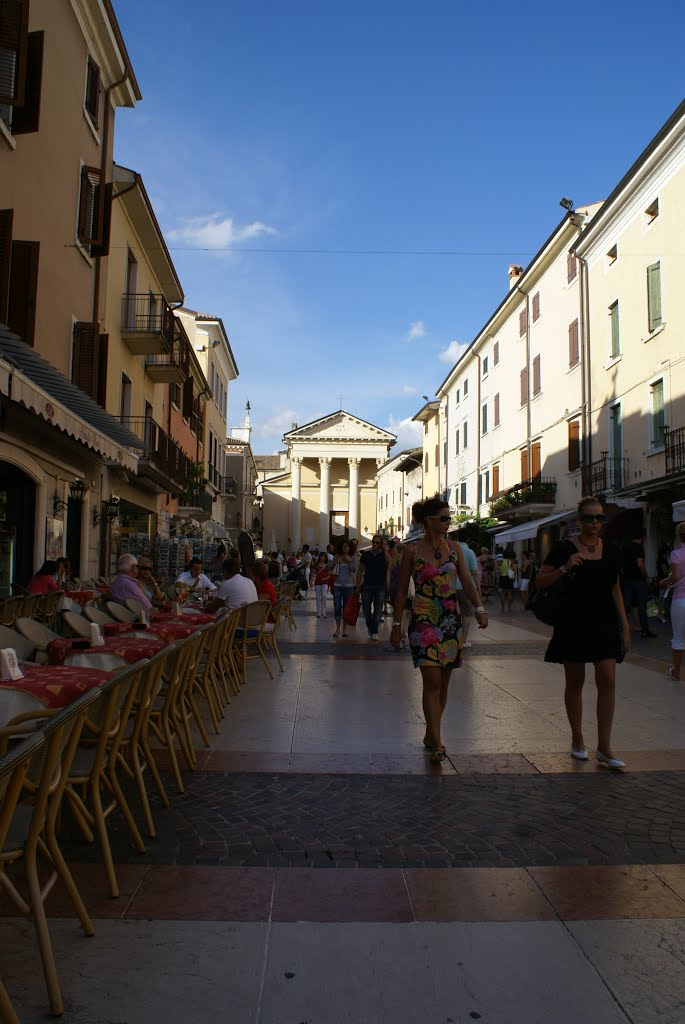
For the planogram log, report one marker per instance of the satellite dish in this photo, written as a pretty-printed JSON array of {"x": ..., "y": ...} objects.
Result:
[{"x": 246, "y": 550}]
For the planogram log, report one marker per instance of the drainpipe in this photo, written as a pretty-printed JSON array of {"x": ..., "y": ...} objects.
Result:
[
  {"x": 528, "y": 412},
  {"x": 585, "y": 360},
  {"x": 478, "y": 427}
]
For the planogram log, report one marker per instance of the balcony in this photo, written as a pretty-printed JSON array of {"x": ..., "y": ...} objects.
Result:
[
  {"x": 674, "y": 442},
  {"x": 230, "y": 487},
  {"x": 526, "y": 500},
  {"x": 605, "y": 475},
  {"x": 216, "y": 479},
  {"x": 147, "y": 324},
  {"x": 195, "y": 504},
  {"x": 161, "y": 460}
]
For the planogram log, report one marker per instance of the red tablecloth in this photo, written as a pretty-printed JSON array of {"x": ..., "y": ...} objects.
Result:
[
  {"x": 55, "y": 686},
  {"x": 199, "y": 619},
  {"x": 129, "y": 648},
  {"x": 81, "y": 597},
  {"x": 116, "y": 628},
  {"x": 177, "y": 629}
]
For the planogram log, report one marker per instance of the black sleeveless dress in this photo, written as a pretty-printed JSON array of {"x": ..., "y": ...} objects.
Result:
[{"x": 592, "y": 629}]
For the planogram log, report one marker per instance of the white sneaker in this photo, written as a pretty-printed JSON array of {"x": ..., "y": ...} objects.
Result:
[
  {"x": 467, "y": 643},
  {"x": 374, "y": 636},
  {"x": 610, "y": 762},
  {"x": 580, "y": 755}
]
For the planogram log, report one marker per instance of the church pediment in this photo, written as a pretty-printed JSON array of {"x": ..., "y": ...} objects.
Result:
[{"x": 340, "y": 426}]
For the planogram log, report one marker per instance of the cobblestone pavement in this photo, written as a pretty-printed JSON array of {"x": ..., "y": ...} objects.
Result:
[{"x": 403, "y": 821}]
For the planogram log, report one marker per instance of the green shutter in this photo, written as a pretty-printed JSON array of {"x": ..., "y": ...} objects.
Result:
[
  {"x": 615, "y": 332},
  {"x": 654, "y": 295},
  {"x": 658, "y": 415}
]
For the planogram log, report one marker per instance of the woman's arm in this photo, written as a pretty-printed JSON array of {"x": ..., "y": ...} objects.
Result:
[
  {"x": 551, "y": 574},
  {"x": 620, "y": 608},
  {"x": 470, "y": 589},
  {"x": 672, "y": 577},
  {"x": 406, "y": 566}
]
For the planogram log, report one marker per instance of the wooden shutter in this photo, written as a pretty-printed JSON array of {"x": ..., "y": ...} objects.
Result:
[
  {"x": 484, "y": 419},
  {"x": 85, "y": 358},
  {"x": 187, "y": 403},
  {"x": 573, "y": 344},
  {"x": 457, "y": 441},
  {"x": 524, "y": 385},
  {"x": 571, "y": 268},
  {"x": 523, "y": 322},
  {"x": 6, "y": 217},
  {"x": 495, "y": 353},
  {"x": 21, "y": 308},
  {"x": 465, "y": 435},
  {"x": 615, "y": 330},
  {"x": 495, "y": 481},
  {"x": 536, "y": 306},
  {"x": 90, "y": 210},
  {"x": 103, "y": 354},
  {"x": 654, "y": 295},
  {"x": 14, "y": 30},
  {"x": 26, "y": 118},
  {"x": 437, "y": 455},
  {"x": 524, "y": 465},
  {"x": 536, "y": 376},
  {"x": 92, "y": 98},
  {"x": 106, "y": 210},
  {"x": 536, "y": 460},
  {"x": 425, "y": 463},
  {"x": 573, "y": 445},
  {"x": 496, "y": 401}
]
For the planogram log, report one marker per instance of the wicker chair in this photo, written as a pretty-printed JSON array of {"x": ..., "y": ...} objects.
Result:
[
  {"x": 47, "y": 609},
  {"x": 10, "y": 610},
  {"x": 270, "y": 635},
  {"x": 249, "y": 636}
]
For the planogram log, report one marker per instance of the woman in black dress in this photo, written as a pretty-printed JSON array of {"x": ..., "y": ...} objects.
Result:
[{"x": 594, "y": 627}]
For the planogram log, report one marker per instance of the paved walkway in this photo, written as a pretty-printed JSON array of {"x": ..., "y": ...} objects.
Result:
[{"x": 318, "y": 870}]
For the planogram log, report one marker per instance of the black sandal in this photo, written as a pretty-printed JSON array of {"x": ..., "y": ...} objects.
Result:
[{"x": 438, "y": 755}]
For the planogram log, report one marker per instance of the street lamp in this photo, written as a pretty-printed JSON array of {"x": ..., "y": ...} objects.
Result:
[
  {"x": 77, "y": 492},
  {"x": 110, "y": 514}
]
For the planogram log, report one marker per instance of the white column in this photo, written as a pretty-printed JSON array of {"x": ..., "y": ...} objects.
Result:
[
  {"x": 353, "y": 515},
  {"x": 295, "y": 503},
  {"x": 324, "y": 503}
]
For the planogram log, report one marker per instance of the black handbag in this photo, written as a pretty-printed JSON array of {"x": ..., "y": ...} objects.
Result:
[{"x": 549, "y": 604}]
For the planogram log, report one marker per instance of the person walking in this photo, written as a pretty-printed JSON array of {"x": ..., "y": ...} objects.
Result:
[
  {"x": 593, "y": 628},
  {"x": 344, "y": 568},
  {"x": 322, "y": 576},
  {"x": 676, "y": 580},
  {"x": 508, "y": 567},
  {"x": 434, "y": 564},
  {"x": 525, "y": 571},
  {"x": 635, "y": 580},
  {"x": 465, "y": 605},
  {"x": 487, "y": 574},
  {"x": 370, "y": 582}
]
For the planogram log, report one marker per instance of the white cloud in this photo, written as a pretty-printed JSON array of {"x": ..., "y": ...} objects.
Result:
[
  {"x": 417, "y": 329},
  {"x": 408, "y": 389},
  {"x": 453, "y": 352},
  {"x": 408, "y": 433},
  {"x": 279, "y": 423},
  {"x": 218, "y": 232}
]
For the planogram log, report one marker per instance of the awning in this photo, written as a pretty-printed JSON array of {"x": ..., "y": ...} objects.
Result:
[
  {"x": 216, "y": 529},
  {"x": 526, "y": 531},
  {"x": 31, "y": 381},
  {"x": 679, "y": 511}
]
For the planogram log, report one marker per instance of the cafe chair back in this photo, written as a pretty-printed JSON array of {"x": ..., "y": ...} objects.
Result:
[
  {"x": 19, "y": 591},
  {"x": 10, "y": 610},
  {"x": 11, "y": 638},
  {"x": 30, "y": 605},
  {"x": 167, "y": 718},
  {"x": 119, "y": 613},
  {"x": 249, "y": 635},
  {"x": 47, "y": 609},
  {"x": 37, "y": 632},
  {"x": 271, "y": 630},
  {"x": 33, "y": 826}
]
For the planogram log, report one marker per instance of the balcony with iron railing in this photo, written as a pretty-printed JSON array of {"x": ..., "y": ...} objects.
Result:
[
  {"x": 525, "y": 500},
  {"x": 605, "y": 475},
  {"x": 147, "y": 324},
  {"x": 170, "y": 367},
  {"x": 230, "y": 486},
  {"x": 674, "y": 445},
  {"x": 195, "y": 503},
  {"x": 215, "y": 478},
  {"x": 161, "y": 460}
]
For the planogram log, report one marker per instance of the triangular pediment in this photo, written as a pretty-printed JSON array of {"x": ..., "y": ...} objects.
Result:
[{"x": 340, "y": 426}]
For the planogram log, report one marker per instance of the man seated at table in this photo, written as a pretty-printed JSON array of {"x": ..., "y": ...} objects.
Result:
[
  {"x": 125, "y": 584},
  {"x": 194, "y": 580},
  {"x": 234, "y": 591}
]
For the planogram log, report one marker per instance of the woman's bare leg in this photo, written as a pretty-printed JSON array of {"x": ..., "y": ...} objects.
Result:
[
  {"x": 605, "y": 678},
  {"x": 573, "y": 700},
  {"x": 432, "y": 703}
]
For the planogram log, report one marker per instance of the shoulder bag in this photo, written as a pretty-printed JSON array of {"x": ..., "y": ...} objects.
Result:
[{"x": 549, "y": 604}]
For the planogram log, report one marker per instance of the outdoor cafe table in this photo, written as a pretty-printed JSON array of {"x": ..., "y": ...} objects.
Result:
[
  {"x": 171, "y": 630},
  {"x": 46, "y": 686},
  {"x": 79, "y": 597},
  {"x": 130, "y": 648},
  {"x": 187, "y": 615}
]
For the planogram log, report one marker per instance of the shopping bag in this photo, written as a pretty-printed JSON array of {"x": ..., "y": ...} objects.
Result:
[{"x": 351, "y": 610}]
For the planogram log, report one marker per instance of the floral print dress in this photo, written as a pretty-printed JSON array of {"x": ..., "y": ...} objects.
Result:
[{"x": 435, "y": 635}]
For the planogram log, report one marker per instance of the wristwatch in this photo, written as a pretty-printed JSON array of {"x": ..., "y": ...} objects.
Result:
[
  {"x": 479, "y": 609},
  {"x": 397, "y": 623},
  {"x": 562, "y": 569}
]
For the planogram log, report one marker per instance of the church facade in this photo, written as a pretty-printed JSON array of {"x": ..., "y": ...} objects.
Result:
[{"x": 327, "y": 492}]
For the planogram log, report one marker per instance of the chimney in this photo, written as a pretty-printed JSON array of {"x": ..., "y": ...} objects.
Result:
[
  {"x": 293, "y": 426},
  {"x": 515, "y": 272}
]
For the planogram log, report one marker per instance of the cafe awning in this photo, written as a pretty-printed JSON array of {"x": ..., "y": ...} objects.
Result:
[
  {"x": 526, "y": 531},
  {"x": 32, "y": 382}
]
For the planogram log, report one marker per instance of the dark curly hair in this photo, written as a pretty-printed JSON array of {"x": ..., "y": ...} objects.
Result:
[{"x": 430, "y": 507}]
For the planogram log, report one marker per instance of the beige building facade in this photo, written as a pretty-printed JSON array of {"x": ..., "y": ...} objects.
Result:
[{"x": 328, "y": 491}]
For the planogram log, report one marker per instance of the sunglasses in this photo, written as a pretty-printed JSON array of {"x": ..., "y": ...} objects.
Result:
[
  {"x": 376, "y": 541},
  {"x": 601, "y": 518},
  {"x": 441, "y": 519}
]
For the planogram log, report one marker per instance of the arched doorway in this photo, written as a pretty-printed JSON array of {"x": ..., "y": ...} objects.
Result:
[{"x": 17, "y": 524}]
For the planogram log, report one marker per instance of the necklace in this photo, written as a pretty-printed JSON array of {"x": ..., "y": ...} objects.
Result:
[
  {"x": 591, "y": 547},
  {"x": 437, "y": 551}
]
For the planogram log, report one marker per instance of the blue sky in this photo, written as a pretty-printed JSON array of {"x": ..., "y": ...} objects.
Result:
[{"x": 378, "y": 125}]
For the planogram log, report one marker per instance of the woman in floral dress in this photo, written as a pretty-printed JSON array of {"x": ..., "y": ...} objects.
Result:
[{"x": 435, "y": 628}]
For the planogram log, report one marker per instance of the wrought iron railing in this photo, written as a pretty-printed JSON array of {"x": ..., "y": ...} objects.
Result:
[
  {"x": 146, "y": 313},
  {"x": 674, "y": 442},
  {"x": 604, "y": 475},
  {"x": 159, "y": 449},
  {"x": 230, "y": 486},
  {"x": 197, "y": 498},
  {"x": 539, "y": 490},
  {"x": 215, "y": 478}
]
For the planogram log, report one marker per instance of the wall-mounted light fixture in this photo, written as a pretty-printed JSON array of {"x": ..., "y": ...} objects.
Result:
[
  {"x": 77, "y": 492},
  {"x": 111, "y": 513}
]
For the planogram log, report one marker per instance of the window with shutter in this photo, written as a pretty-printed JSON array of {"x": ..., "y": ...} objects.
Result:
[
  {"x": 90, "y": 216},
  {"x": 92, "y": 97},
  {"x": 456, "y": 442},
  {"x": 425, "y": 463},
  {"x": 536, "y": 460},
  {"x": 21, "y": 307},
  {"x": 615, "y": 330},
  {"x": 437, "y": 455},
  {"x": 654, "y": 296},
  {"x": 495, "y": 481},
  {"x": 573, "y": 445},
  {"x": 537, "y": 386},
  {"x": 103, "y": 355},
  {"x": 14, "y": 30},
  {"x": 658, "y": 413},
  {"x": 466, "y": 388},
  {"x": 85, "y": 358},
  {"x": 463, "y": 493},
  {"x": 573, "y": 344},
  {"x": 6, "y": 217},
  {"x": 485, "y": 366},
  {"x": 524, "y": 386},
  {"x": 26, "y": 118},
  {"x": 484, "y": 428},
  {"x": 523, "y": 322},
  {"x": 571, "y": 268},
  {"x": 187, "y": 403},
  {"x": 524, "y": 465},
  {"x": 536, "y": 306},
  {"x": 465, "y": 434},
  {"x": 495, "y": 353},
  {"x": 103, "y": 248},
  {"x": 496, "y": 401}
]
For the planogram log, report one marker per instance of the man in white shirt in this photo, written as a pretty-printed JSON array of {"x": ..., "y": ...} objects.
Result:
[
  {"x": 234, "y": 590},
  {"x": 194, "y": 579}
]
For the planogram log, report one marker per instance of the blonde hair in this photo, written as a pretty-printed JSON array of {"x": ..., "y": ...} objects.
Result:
[
  {"x": 680, "y": 532},
  {"x": 589, "y": 499}
]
